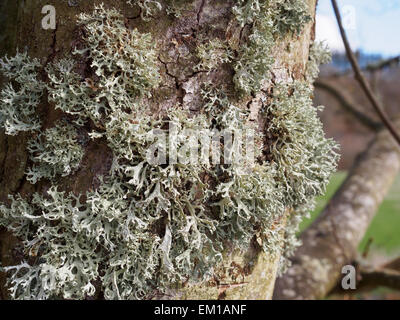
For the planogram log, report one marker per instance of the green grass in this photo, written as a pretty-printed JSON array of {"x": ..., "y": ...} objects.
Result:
[{"x": 385, "y": 227}]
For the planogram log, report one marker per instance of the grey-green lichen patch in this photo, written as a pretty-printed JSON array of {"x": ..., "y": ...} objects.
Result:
[
  {"x": 54, "y": 152},
  {"x": 148, "y": 8},
  {"x": 125, "y": 61},
  {"x": 212, "y": 54},
  {"x": 248, "y": 11},
  {"x": 269, "y": 21},
  {"x": 66, "y": 260},
  {"x": 287, "y": 16},
  {"x": 253, "y": 66},
  {"x": 176, "y": 8},
  {"x": 124, "y": 68},
  {"x": 254, "y": 61},
  {"x": 70, "y": 93},
  {"x": 319, "y": 54},
  {"x": 20, "y": 97},
  {"x": 290, "y": 16},
  {"x": 300, "y": 142}
]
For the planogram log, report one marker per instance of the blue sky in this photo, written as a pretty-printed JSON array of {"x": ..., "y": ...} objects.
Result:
[{"x": 372, "y": 25}]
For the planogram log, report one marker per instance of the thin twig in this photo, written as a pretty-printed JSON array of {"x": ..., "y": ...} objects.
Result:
[
  {"x": 361, "y": 78},
  {"x": 367, "y": 248}
]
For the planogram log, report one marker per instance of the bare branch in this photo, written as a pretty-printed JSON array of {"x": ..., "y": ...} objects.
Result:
[
  {"x": 382, "y": 64},
  {"x": 348, "y": 105},
  {"x": 361, "y": 78},
  {"x": 371, "y": 279}
]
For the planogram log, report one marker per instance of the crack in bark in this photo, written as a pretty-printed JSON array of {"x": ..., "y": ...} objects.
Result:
[
  {"x": 178, "y": 85},
  {"x": 52, "y": 46},
  {"x": 136, "y": 17},
  {"x": 3, "y": 164},
  {"x": 167, "y": 72},
  {"x": 202, "y": 4}
]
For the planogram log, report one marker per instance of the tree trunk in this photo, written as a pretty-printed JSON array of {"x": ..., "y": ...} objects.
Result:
[{"x": 175, "y": 40}]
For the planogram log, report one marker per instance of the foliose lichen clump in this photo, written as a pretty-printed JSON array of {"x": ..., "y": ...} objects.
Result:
[
  {"x": 290, "y": 16},
  {"x": 319, "y": 54},
  {"x": 148, "y": 8},
  {"x": 149, "y": 227},
  {"x": 55, "y": 152},
  {"x": 212, "y": 54},
  {"x": 269, "y": 20},
  {"x": 252, "y": 67},
  {"x": 124, "y": 67},
  {"x": 295, "y": 123},
  {"x": 20, "y": 97}
]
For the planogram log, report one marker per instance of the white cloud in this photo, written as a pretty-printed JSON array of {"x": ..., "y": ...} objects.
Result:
[{"x": 326, "y": 30}]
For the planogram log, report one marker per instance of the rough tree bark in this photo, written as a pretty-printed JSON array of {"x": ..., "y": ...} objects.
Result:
[
  {"x": 179, "y": 85},
  {"x": 332, "y": 240}
]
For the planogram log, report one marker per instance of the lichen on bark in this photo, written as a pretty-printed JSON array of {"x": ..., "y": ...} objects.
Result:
[{"x": 142, "y": 231}]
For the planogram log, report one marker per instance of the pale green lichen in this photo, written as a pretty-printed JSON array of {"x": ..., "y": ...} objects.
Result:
[
  {"x": 149, "y": 227},
  {"x": 254, "y": 61},
  {"x": 252, "y": 68},
  {"x": 299, "y": 144},
  {"x": 124, "y": 60},
  {"x": 148, "y": 8},
  {"x": 269, "y": 20},
  {"x": 124, "y": 63},
  {"x": 66, "y": 260},
  {"x": 212, "y": 55},
  {"x": 68, "y": 92},
  {"x": 176, "y": 8},
  {"x": 21, "y": 96},
  {"x": 290, "y": 16},
  {"x": 248, "y": 11},
  {"x": 54, "y": 152},
  {"x": 287, "y": 16},
  {"x": 298, "y": 129},
  {"x": 319, "y": 54}
]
